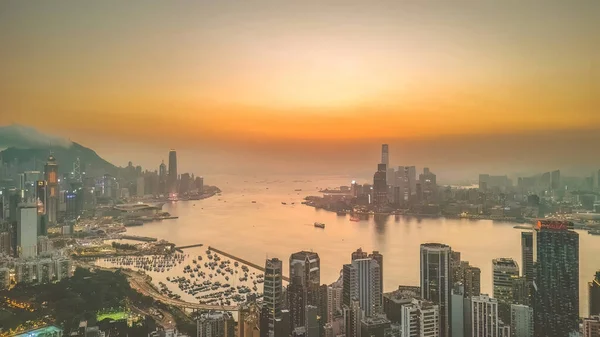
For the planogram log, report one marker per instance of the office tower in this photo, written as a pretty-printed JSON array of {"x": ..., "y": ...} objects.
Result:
[
  {"x": 527, "y": 255},
  {"x": 27, "y": 227},
  {"x": 361, "y": 282},
  {"x": 375, "y": 326},
  {"x": 556, "y": 307},
  {"x": 410, "y": 173},
  {"x": 305, "y": 278},
  {"x": 594, "y": 295},
  {"x": 52, "y": 190},
  {"x": 215, "y": 324},
  {"x": 420, "y": 318},
  {"x": 484, "y": 316},
  {"x": 455, "y": 266},
  {"x": 471, "y": 280},
  {"x": 172, "y": 178},
  {"x": 139, "y": 187},
  {"x": 184, "y": 183},
  {"x": 458, "y": 325},
  {"x": 380, "y": 189},
  {"x": 162, "y": 178},
  {"x": 505, "y": 271},
  {"x": 352, "y": 318},
  {"x": 555, "y": 180},
  {"x": 272, "y": 292},
  {"x": 40, "y": 195},
  {"x": 312, "y": 324},
  {"x": 393, "y": 301},
  {"x": 379, "y": 258},
  {"x": 591, "y": 326},
  {"x": 282, "y": 325},
  {"x": 385, "y": 155},
  {"x": 428, "y": 182},
  {"x": 521, "y": 290},
  {"x": 200, "y": 184},
  {"x": 521, "y": 320},
  {"x": 436, "y": 280}
]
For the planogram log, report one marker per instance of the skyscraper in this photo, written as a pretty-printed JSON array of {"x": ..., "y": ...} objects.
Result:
[
  {"x": 505, "y": 272},
  {"x": 305, "y": 278},
  {"x": 385, "y": 155},
  {"x": 472, "y": 280},
  {"x": 591, "y": 326},
  {"x": 594, "y": 293},
  {"x": 484, "y": 316},
  {"x": 380, "y": 189},
  {"x": 172, "y": 180},
  {"x": 27, "y": 227},
  {"x": 162, "y": 178},
  {"x": 272, "y": 292},
  {"x": 556, "y": 307},
  {"x": 379, "y": 258},
  {"x": 361, "y": 282},
  {"x": 52, "y": 189},
  {"x": 436, "y": 280},
  {"x": 527, "y": 255},
  {"x": 521, "y": 320}
]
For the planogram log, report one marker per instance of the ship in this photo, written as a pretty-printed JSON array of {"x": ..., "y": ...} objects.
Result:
[
  {"x": 284, "y": 203},
  {"x": 354, "y": 218},
  {"x": 319, "y": 225}
]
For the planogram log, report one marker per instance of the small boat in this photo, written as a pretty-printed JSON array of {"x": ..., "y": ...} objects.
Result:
[
  {"x": 284, "y": 203},
  {"x": 319, "y": 225},
  {"x": 354, "y": 219},
  {"x": 254, "y": 202}
]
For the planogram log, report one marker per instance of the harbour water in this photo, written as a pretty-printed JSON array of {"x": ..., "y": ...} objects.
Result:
[{"x": 267, "y": 228}]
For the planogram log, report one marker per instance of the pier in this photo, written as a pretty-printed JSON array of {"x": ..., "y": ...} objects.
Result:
[
  {"x": 190, "y": 246},
  {"x": 248, "y": 263},
  {"x": 139, "y": 238}
]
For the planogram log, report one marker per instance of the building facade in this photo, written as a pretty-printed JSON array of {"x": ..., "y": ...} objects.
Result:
[{"x": 436, "y": 280}]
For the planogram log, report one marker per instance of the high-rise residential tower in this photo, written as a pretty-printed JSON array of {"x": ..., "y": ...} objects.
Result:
[
  {"x": 162, "y": 178},
  {"x": 436, "y": 280},
  {"x": 272, "y": 292},
  {"x": 361, "y": 282},
  {"x": 505, "y": 271},
  {"x": 527, "y": 255},
  {"x": 172, "y": 180},
  {"x": 52, "y": 189},
  {"x": 521, "y": 320},
  {"x": 484, "y": 316},
  {"x": 556, "y": 306},
  {"x": 380, "y": 188}
]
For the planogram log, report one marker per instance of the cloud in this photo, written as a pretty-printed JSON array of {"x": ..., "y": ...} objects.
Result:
[{"x": 16, "y": 135}]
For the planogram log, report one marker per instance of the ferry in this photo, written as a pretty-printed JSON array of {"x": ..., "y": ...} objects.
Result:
[
  {"x": 319, "y": 225},
  {"x": 354, "y": 218},
  {"x": 284, "y": 203}
]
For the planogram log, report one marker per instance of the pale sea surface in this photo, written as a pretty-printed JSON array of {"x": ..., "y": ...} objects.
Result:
[{"x": 265, "y": 229}]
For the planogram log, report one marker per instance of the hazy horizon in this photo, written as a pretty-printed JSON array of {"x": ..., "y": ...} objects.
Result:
[{"x": 315, "y": 87}]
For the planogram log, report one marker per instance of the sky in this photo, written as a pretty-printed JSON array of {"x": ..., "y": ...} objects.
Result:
[{"x": 309, "y": 85}]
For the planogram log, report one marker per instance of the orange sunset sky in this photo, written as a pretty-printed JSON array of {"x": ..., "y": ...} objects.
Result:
[{"x": 479, "y": 82}]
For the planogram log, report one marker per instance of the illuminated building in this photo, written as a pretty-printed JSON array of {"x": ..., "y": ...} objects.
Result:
[
  {"x": 436, "y": 280},
  {"x": 52, "y": 190},
  {"x": 272, "y": 292},
  {"x": 172, "y": 178},
  {"x": 380, "y": 188},
  {"x": 505, "y": 272},
  {"x": 594, "y": 293},
  {"x": 428, "y": 182},
  {"x": 5, "y": 243},
  {"x": 4, "y": 278},
  {"x": 27, "y": 230},
  {"x": 556, "y": 306},
  {"x": 40, "y": 195}
]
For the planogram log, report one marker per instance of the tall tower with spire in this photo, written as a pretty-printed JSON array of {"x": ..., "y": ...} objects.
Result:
[{"x": 52, "y": 190}]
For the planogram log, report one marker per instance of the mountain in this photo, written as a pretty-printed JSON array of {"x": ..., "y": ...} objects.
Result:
[{"x": 36, "y": 157}]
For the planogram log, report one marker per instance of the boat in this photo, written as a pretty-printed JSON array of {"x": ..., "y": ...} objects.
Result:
[
  {"x": 253, "y": 201},
  {"x": 354, "y": 218},
  {"x": 284, "y": 203},
  {"x": 298, "y": 190},
  {"x": 319, "y": 225},
  {"x": 594, "y": 232}
]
